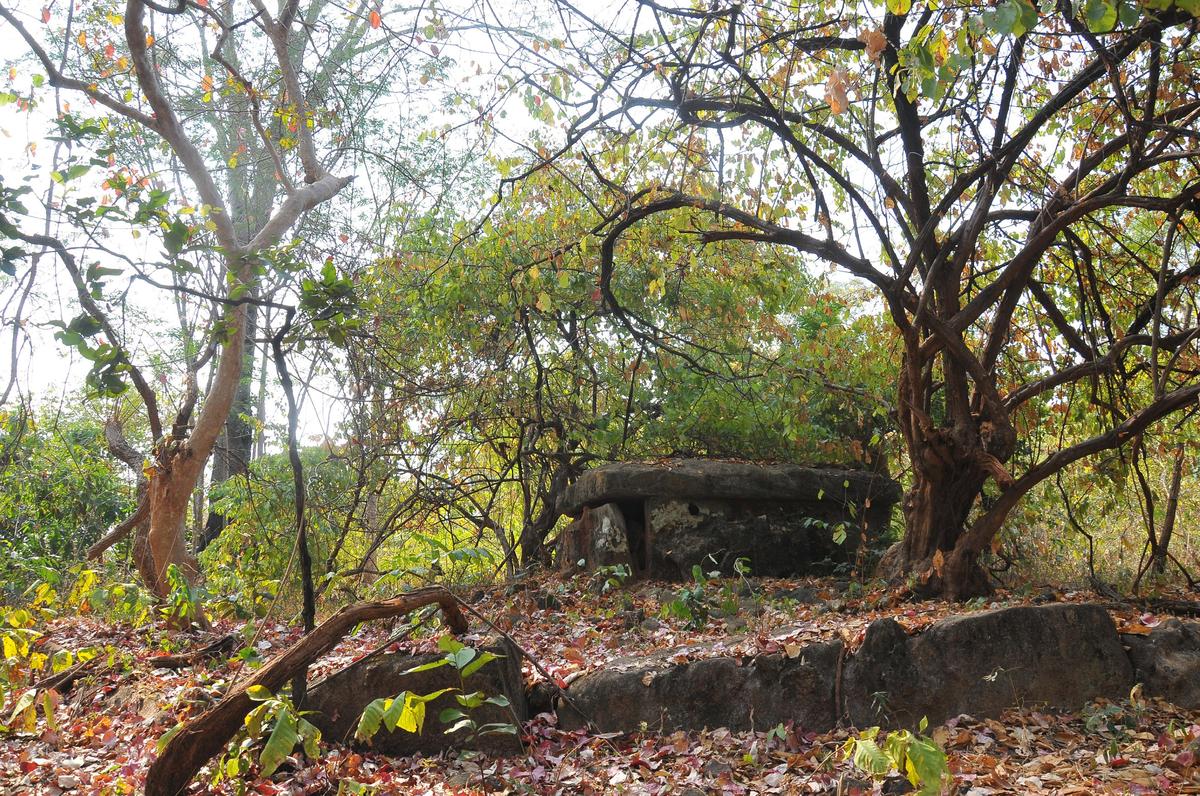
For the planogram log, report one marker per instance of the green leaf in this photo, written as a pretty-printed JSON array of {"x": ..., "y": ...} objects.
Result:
[
  {"x": 259, "y": 693},
  {"x": 927, "y": 763},
  {"x": 449, "y": 643},
  {"x": 484, "y": 658},
  {"x": 424, "y": 667},
  {"x": 281, "y": 743},
  {"x": 462, "y": 657},
  {"x": 448, "y": 715},
  {"x": 1101, "y": 16},
  {"x": 166, "y": 737},
  {"x": 310, "y": 735},
  {"x": 372, "y": 716},
  {"x": 870, "y": 758}
]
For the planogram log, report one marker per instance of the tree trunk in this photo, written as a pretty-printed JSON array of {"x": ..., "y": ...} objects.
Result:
[
  {"x": 1158, "y": 563},
  {"x": 935, "y": 517},
  {"x": 179, "y": 461},
  {"x": 235, "y": 446}
]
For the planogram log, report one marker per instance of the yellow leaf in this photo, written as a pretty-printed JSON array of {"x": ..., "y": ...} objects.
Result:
[{"x": 82, "y": 38}]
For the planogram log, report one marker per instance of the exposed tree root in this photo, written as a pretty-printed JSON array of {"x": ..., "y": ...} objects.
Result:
[{"x": 203, "y": 737}]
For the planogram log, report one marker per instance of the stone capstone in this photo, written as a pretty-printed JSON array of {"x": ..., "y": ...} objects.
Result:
[
  {"x": 339, "y": 701},
  {"x": 742, "y": 694},
  {"x": 1167, "y": 662},
  {"x": 687, "y": 479},
  {"x": 1062, "y": 655}
]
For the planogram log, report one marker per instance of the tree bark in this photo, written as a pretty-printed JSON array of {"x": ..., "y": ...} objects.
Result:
[
  {"x": 203, "y": 737},
  {"x": 235, "y": 447},
  {"x": 1158, "y": 562}
]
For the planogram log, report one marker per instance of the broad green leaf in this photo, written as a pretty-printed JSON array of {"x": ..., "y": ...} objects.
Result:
[
  {"x": 259, "y": 693},
  {"x": 372, "y": 716},
  {"x": 927, "y": 763},
  {"x": 424, "y": 667},
  {"x": 484, "y": 658},
  {"x": 281, "y": 743},
  {"x": 870, "y": 758},
  {"x": 1101, "y": 16},
  {"x": 166, "y": 737},
  {"x": 310, "y": 737}
]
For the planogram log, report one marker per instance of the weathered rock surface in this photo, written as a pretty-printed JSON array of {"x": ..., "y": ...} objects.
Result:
[
  {"x": 599, "y": 538},
  {"x": 784, "y": 518},
  {"x": 758, "y": 692},
  {"x": 776, "y": 539},
  {"x": 1059, "y": 655},
  {"x": 340, "y": 700},
  {"x": 1167, "y": 662},
  {"x": 686, "y": 479}
]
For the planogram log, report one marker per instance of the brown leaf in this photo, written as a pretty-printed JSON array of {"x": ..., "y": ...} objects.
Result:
[
  {"x": 875, "y": 41},
  {"x": 835, "y": 92}
]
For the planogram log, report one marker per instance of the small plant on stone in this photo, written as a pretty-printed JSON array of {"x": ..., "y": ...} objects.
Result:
[
  {"x": 406, "y": 711},
  {"x": 613, "y": 577},
  {"x": 916, "y": 756},
  {"x": 692, "y": 604}
]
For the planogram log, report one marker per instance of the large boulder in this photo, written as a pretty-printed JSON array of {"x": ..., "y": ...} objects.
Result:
[
  {"x": 661, "y": 695},
  {"x": 1167, "y": 662},
  {"x": 599, "y": 538},
  {"x": 339, "y": 701},
  {"x": 1060, "y": 655}
]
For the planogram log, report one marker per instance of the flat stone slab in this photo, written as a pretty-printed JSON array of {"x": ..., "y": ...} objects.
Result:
[
  {"x": 720, "y": 480},
  {"x": 658, "y": 695},
  {"x": 1062, "y": 655}
]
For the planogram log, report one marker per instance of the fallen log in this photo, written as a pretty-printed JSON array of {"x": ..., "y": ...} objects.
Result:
[
  {"x": 221, "y": 647},
  {"x": 204, "y": 737}
]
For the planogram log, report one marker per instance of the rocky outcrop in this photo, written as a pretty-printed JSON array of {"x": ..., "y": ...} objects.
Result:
[
  {"x": 1060, "y": 655},
  {"x": 980, "y": 664},
  {"x": 741, "y": 694},
  {"x": 782, "y": 518},
  {"x": 1167, "y": 662},
  {"x": 340, "y": 699}
]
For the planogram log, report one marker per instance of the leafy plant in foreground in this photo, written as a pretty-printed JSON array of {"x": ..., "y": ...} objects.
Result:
[
  {"x": 916, "y": 756},
  {"x": 276, "y": 720}
]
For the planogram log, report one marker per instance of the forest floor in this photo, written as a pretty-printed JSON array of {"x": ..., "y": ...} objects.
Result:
[{"x": 104, "y": 733}]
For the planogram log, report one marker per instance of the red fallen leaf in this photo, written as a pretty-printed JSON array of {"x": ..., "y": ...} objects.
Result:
[
  {"x": 376, "y": 20},
  {"x": 1186, "y": 758},
  {"x": 1118, "y": 762},
  {"x": 573, "y": 654}
]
